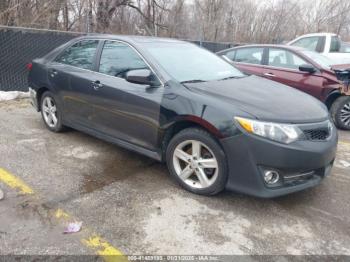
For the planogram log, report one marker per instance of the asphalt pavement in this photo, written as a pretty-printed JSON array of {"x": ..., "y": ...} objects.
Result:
[{"x": 128, "y": 204}]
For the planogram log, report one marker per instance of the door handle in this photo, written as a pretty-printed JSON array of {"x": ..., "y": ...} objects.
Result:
[
  {"x": 269, "y": 75},
  {"x": 97, "y": 84}
]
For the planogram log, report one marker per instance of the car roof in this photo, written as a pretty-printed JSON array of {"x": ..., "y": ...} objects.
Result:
[
  {"x": 316, "y": 34},
  {"x": 292, "y": 48},
  {"x": 133, "y": 38}
]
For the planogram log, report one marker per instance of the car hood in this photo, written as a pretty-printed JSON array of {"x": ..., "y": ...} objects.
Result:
[
  {"x": 265, "y": 99},
  {"x": 341, "y": 66},
  {"x": 340, "y": 58}
]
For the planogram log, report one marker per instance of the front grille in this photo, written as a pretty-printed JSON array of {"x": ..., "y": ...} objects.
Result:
[
  {"x": 321, "y": 131},
  {"x": 317, "y": 134}
]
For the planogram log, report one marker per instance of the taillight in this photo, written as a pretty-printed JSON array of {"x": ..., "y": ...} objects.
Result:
[{"x": 30, "y": 66}]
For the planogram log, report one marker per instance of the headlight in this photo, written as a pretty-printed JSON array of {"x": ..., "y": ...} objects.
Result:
[{"x": 283, "y": 133}]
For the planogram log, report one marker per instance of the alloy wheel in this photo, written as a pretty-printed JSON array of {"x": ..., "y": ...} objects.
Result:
[
  {"x": 195, "y": 164},
  {"x": 345, "y": 114},
  {"x": 50, "y": 112}
]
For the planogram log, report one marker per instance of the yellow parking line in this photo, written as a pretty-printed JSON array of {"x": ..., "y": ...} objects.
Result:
[
  {"x": 100, "y": 246},
  {"x": 104, "y": 249},
  {"x": 14, "y": 182},
  {"x": 344, "y": 143},
  {"x": 60, "y": 214}
]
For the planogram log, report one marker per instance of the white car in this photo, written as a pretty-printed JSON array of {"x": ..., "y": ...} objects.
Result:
[{"x": 328, "y": 44}]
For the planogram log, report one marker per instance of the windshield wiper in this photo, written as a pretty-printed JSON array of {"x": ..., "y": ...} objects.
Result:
[
  {"x": 231, "y": 77},
  {"x": 193, "y": 81}
]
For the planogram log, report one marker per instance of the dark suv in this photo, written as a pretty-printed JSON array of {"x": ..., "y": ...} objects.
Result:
[{"x": 175, "y": 102}]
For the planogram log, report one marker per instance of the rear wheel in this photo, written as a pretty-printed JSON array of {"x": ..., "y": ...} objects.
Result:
[
  {"x": 197, "y": 162},
  {"x": 50, "y": 112},
  {"x": 340, "y": 111}
]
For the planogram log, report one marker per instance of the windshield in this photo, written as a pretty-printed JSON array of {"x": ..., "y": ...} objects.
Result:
[
  {"x": 186, "y": 62},
  {"x": 319, "y": 59}
]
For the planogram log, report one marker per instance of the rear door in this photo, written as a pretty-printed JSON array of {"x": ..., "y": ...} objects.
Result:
[
  {"x": 71, "y": 74},
  {"x": 125, "y": 110},
  {"x": 283, "y": 66},
  {"x": 248, "y": 59}
]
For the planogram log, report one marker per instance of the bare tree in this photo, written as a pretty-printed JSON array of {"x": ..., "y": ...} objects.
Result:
[{"x": 242, "y": 21}]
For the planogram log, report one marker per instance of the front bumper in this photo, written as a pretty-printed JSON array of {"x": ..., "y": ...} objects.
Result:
[{"x": 302, "y": 164}]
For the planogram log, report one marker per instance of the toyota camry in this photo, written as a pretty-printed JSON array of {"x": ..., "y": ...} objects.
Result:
[{"x": 172, "y": 101}]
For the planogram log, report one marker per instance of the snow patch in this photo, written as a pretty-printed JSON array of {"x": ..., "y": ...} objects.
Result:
[{"x": 11, "y": 95}]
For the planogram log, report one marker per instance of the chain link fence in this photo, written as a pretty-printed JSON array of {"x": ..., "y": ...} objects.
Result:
[
  {"x": 213, "y": 46},
  {"x": 19, "y": 46}
]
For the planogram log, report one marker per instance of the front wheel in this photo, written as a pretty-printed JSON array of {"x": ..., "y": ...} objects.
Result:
[
  {"x": 197, "y": 162},
  {"x": 340, "y": 111}
]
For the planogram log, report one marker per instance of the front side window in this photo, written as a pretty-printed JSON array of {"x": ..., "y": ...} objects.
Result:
[
  {"x": 249, "y": 55},
  {"x": 309, "y": 43},
  {"x": 118, "y": 58},
  {"x": 80, "y": 54},
  {"x": 284, "y": 59}
]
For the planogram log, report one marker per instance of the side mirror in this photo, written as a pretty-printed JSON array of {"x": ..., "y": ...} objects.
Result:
[
  {"x": 141, "y": 76},
  {"x": 307, "y": 68}
]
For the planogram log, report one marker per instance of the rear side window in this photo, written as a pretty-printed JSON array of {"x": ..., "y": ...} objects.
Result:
[
  {"x": 284, "y": 59},
  {"x": 118, "y": 58},
  {"x": 309, "y": 43},
  {"x": 249, "y": 55},
  {"x": 345, "y": 47},
  {"x": 230, "y": 54},
  {"x": 335, "y": 44},
  {"x": 80, "y": 54}
]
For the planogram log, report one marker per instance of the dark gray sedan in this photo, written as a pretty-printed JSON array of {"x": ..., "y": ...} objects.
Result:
[{"x": 172, "y": 101}]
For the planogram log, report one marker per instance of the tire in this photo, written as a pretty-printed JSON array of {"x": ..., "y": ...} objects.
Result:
[
  {"x": 49, "y": 108},
  {"x": 340, "y": 112},
  {"x": 204, "y": 175}
]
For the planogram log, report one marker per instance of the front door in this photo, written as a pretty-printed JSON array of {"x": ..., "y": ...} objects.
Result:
[
  {"x": 283, "y": 66},
  {"x": 124, "y": 110}
]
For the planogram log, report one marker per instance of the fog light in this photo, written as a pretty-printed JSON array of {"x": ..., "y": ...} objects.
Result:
[{"x": 271, "y": 177}]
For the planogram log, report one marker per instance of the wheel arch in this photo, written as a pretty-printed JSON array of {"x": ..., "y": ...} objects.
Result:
[
  {"x": 39, "y": 94},
  {"x": 332, "y": 97},
  {"x": 184, "y": 123}
]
